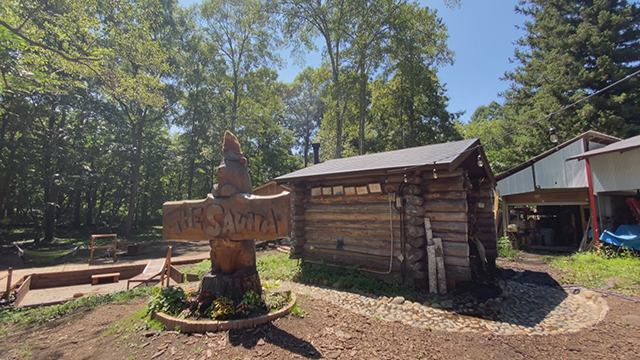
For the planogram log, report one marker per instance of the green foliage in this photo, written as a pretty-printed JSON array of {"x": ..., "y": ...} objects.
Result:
[
  {"x": 276, "y": 300},
  {"x": 254, "y": 301},
  {"x": 298, "y": 312},
  {"x": 171, "y": 300},
  {"x": 49, "y": 313},
  {"x": 505, "y": 250},
  {"x": 277, "y": 267},
  {"x": 201, "y": 269},
  {"x": 572, "y": 48},
  {"x": 138, "y": 321},
  {"x": 222, "y": 308},
  {"x": 590, "y": 269}
]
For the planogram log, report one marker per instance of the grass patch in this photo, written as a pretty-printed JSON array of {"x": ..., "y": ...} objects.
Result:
[
  {"x": 49, "y": 313},
  {"x": 201, "y": 268},
  {"x": 505, "y": 250},
  {"x": 592, "y": 270},
  {"x": 137, "y": 321},
  {"x": 277, "y": 267},
  {"x": 297, "y": 311}
]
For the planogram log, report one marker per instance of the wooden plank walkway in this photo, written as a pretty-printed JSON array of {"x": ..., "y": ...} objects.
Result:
[{"x": 18, "y": 274}]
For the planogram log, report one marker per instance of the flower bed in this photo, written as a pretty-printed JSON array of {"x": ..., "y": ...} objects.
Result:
[{"x": 189, "y": 312}]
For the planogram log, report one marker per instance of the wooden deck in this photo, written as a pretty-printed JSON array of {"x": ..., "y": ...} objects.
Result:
[{"x": 78, "y": 273}]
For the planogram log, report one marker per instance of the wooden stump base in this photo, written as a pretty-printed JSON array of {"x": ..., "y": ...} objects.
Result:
[{"x": 232, "y": 286}]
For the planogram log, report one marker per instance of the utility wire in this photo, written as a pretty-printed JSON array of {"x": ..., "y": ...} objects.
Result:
[{"x": 549, "y": 116}]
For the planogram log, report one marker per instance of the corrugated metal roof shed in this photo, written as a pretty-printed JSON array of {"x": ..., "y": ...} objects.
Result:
[
  {"x": 437, "y": 154},
  {"x": 624, "y": 145},
  {"x": 590, "y": 135}
]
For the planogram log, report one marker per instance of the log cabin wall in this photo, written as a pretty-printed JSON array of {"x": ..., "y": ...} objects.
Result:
[
  {"x": 349, "y": 230},
  {"x": 446, "y": 207},
  {"x": 481, "y": 202}
]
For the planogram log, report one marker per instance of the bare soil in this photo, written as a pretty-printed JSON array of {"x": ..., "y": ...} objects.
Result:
[{"x": 326, "y": 332}]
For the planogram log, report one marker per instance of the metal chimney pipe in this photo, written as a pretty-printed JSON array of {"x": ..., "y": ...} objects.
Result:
[{"x": 316, "y": 153}]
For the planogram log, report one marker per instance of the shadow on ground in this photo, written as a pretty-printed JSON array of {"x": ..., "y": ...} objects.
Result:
[{"x": 250, "y": 338}]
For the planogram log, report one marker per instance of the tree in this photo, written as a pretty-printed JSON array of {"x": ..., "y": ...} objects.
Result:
[
  {"x": 571, "y": 49},
  {"x": 304, "y": 108}
]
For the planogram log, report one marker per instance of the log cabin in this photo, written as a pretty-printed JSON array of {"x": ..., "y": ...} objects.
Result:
[{"x": 388, "y": 213}]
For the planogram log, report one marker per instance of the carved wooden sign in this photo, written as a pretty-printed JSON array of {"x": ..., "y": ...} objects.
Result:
[{"x": 237, "y": 217}]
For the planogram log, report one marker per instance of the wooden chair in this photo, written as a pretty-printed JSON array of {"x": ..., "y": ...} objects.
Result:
[
  {"x": 114, "y": 247},
  {"x": 154, "y": 268}
]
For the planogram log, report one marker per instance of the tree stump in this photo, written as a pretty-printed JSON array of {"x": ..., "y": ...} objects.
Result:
[{"x": 233, "y": 286}]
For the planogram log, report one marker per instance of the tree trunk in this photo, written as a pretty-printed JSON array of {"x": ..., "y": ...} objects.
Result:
[
  {"x": 136, "y": 162},
  {"x": 362, "y": 114},
  {"x": 307, "y": 143},
  {"x": 192, "y": 169}
]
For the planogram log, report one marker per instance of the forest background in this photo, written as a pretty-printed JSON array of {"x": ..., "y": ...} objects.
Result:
[{"x": 108, "y": 108}]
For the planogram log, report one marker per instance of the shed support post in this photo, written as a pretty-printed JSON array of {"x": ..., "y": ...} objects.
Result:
[
  {"x": 505, "y": 216},
  {"x": 596, "y": 232}
]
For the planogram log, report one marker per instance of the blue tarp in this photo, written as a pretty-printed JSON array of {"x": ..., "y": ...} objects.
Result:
[{"x": 625, "y": 236}]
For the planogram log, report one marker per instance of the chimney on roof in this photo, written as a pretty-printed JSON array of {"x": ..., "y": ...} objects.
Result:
[{"x": 316, "y": 153}]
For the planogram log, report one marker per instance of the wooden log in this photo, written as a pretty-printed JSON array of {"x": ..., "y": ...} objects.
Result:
[
  {"x": 415, "y": 231},
  {"x": 414, "y": 210},
  {"x": 354, "y": 216},
  {"x": 446, "y": 205},
  {"x": 329, "y": 229},
  {"x": 300, "y": 232},
  {"x": 415, "y": 255},
  {"x": 419, "y": 274},
  {"x": 351, "y": 199},
  {"x": 428, "y": 175},
  {"x": 348, "y": 249},
  {"x": 297, "y": 211},
  {"x": 459, "y": 273},
  {"x": 487, "y": 229},
  {"x": 415, "y": 180},
  {"x": 486, "y": 222},
  {"x": 298, "y": 240},
  {"x": 456, "y": 261},
  {"x": 428, "y": 231},
  {"x": 418, "y": 266},
  {"x": 369, "y": 208},
  {"x": 416, "y": 220},
  {"x": 432, "y": 269},
  {"x": 450, "y": 184},
  {"x": 390, "y": 188},
  {"x": 413, "y": 190},
  {"x": 459, "y": 249},
  {"x": 341, "y": 241},
  {"x": 442, "y": 278},
  {"x": 369, "y": 262},
  {"x": 447, "y": 216},
  {"x": 298, "y": 218},
  {"x": 414, "y": 200},
  {"x": 447, "y": 195},
  {"x": 449, "y": 227},
  {"x": 232, "y": 286},
  {"x": 452, "y": 237},
  {"x": 473, "y": 208},
  {"x": 416, "y": 242}
]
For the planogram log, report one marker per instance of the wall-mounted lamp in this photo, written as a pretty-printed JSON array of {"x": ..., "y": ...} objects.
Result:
[
  {"x": 552, "y": 135},
  {"x": 435, "y": 174},
  {"x": 480, "y": 162}
]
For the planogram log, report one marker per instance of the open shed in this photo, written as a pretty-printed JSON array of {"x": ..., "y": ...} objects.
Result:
[
  {"x": 382, "y": 211},
  {"x": 615, "y": 178},
  {"x": 547, "y": 197}
]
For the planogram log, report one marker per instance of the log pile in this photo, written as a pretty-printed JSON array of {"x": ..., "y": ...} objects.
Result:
[
  {"x": 415, "y": 231},
  {"x": 482, "y": 220}
]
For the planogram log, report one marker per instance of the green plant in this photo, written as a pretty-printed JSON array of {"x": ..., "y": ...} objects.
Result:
[
  {"x": 201, "y": 269},
  {"x": 277, "y": 267},
  {"x": 505, "y": 250},
  {"x": 222, "y": 308},
  {"x": 171, "y": 300},
  {"x": 198, "y": 350},
  {"x": 276, "y": 300},
  {"x": 298, "y": 312},
  {"x": 252, "y": 303},
  {"x": 591, "y": 269}
]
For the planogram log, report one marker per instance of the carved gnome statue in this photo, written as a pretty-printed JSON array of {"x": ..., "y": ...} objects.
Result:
[{"x": 233, "y": 177}]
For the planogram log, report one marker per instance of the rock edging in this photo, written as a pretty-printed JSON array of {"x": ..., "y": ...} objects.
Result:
[{"x": 202, "y": 326}]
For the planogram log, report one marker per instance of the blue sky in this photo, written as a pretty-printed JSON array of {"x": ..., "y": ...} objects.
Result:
[{"x": 481, "y": 33}]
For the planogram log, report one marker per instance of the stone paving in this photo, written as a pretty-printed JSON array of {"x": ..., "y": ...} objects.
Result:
[{"x": 523, "y": 309}]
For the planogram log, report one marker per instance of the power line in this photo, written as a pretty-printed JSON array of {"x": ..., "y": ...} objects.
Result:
[{"x": 549, "y": 116}]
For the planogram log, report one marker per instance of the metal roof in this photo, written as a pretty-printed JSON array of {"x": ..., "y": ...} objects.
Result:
[
  {"x": 588, "y": 135},
  {"x": 436, "y": 154},
  {"x": 621, "y": 146}
]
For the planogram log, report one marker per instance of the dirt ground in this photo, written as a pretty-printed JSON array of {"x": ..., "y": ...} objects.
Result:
[{"x": 326, "y": 332}]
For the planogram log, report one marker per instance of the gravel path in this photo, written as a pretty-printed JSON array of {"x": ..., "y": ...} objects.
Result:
[{"x": 523, "y": 309}]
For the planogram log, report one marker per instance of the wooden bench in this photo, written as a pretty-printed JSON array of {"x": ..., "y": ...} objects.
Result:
[{"x": 97, "y": 277}]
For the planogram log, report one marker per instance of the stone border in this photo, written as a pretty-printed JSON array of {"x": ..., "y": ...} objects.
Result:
[{"x": 202, "y": 326}]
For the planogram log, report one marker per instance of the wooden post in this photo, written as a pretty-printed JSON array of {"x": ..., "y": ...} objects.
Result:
[
  {"x": 431, "y": 257},
  {"x": 9, "y": 278},
  {"x": 442, "y": 278},
  {"x": 596, "y": 232}
]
